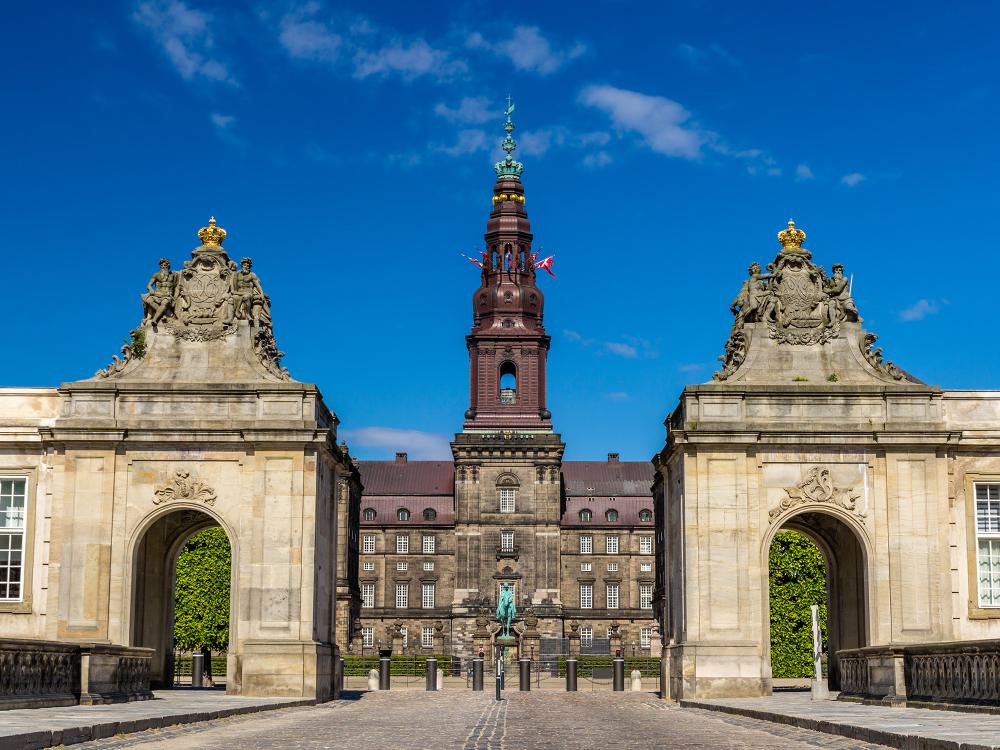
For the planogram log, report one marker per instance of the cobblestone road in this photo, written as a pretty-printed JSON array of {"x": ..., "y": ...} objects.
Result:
[{"x": 473, "y": 721}]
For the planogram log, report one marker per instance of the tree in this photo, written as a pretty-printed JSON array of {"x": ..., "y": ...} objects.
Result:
[
  {"x": 797, "y": 581},
  {"x": 201, "y": 599}
]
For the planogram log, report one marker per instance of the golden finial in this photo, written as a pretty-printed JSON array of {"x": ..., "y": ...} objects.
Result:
[
  {"x": 791, "y": 238},
  {"x": 211, "y": 235}
]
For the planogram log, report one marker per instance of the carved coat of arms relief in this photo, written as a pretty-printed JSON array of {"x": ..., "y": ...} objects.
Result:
[{"x": 818, "y": 488}]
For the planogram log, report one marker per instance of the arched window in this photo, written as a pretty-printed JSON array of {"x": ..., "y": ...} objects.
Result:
[
  {"x": 611, "y": 515},
  {"x": 403, "y": 514},
  {"x": 369, "y": 514},
  {"x": 508, "y": 383},
  {"x": 586, "y": 514},
  {"x": 430, "y": 514},
  {"x": 507, "y": 493},
  {"x": 645, "y": 514}
]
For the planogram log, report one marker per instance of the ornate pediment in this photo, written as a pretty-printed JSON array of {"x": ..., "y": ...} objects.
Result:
[{"x": 204, "y": 301}]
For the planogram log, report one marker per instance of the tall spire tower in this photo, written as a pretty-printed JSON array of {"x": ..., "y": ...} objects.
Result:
[
  {"x": 507, "y": 459},
  {"x": 508, "y": 344}
]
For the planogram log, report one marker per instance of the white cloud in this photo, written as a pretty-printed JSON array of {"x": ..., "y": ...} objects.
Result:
[
  {"x": 408, "y": 59},
  {"x": 223, "y": 126},
  {"x": 388, "y": 440},
  {"x": 701, "y": 58},
  {"x": 802, "y": 172},
  {"x": 468, "y": 142},
  {"x": 528, "y": 50},
  {"x": 663, "y": 124},
  {"x": 305, "y": 38},
  {"x": 617, "y": 396},
  {"x": 921, "y": 309},
  {"x": 572, "y": 335},
  {"x": 852, "y": 179},
  {"x": 185, "y": 35},
  {"x": 689, "y": 367},
  {"x": 471, "y": 109},
  {"x": 222, "y": 122},
  {"x": 597, "y": 159},
  {"x": 631, "y": 347},
  {"x": 621, "y": 349}
]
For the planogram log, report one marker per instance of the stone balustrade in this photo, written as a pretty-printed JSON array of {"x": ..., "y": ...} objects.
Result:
[
  {"x": 34, "y": 674},
  {"x": 952, "y": 673}
]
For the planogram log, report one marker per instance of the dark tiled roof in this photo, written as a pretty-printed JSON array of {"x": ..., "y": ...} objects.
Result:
[
  {"x": 386, "y": 509},
  {"x": 608, "y": 478},
  {"x": 408, "y": 477},
  {"x": 628, "y": 512}
]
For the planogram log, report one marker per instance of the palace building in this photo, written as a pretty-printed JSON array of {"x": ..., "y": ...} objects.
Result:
[{"x": 574, "y": 540}]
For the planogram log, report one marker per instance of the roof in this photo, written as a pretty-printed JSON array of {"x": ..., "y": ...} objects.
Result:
[
  {"x": 608, "y": 478},
  {"x": 387, "y": 509},
  {"x": 627, "y": 507},
  {"x": 408, "y": 477}
]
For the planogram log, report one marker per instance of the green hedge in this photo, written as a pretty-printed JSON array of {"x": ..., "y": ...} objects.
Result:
[
  {"x": 401, "y": 665},
  {"x": 648, "y": 666},
  {"x": 182, "y": 666},
  {"x": 797, "y": 580}
]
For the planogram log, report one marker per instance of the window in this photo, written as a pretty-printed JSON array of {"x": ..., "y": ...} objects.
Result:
[
  {"x": 508, "y": 383},
  {"x": 586, "y": 596},
  {"x": 611, "y": 515},
  {"x": 369, "y": 566},
  {"x": 611, "y": 545},
  {"x": 612, "y": 596},
  {"x": 586, "y": 637},
  {"x": 402, "y": 566},
  {"x": 402, "y": 596},
  {"x": 428, "y": 566},
  {"x": 645, "y": 596},
  {"x": 645, "y": 514},
  {"x": 370, "y": 514},
  {"x": 368, "y": 544},
  {"x": 402, "y": 543},
  {"x": 427, "y": 596},
  {"x": 586, "y": 514},
  {"x": 645, "y": 545},
  {"x": 367, "y": 595},
  {"x": 988, "y": 543},
  {"x": 13, "y": 498},
  {"x": 403, "y": 514},
  {"x": 645, "y": 567},
  {"x": 586, "y": 567},
  {"x": 367, "y": 636},
  {"x": 586, "y": 545},
  {"x": 430, "y": 514},
  {"x": 507, "y": 541},
  {"x": 427, "y": 637},
  {"x": 645, "y": 637},
  {"x": 507, "y": 498},
  {"x": 612, "y": 567},
  {"x": 428, "y": 547}
]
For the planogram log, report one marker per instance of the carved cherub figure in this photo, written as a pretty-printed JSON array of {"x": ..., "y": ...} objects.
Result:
[
  {"x": 751, "y": 294},
  {"x": 160, "y": 294}
]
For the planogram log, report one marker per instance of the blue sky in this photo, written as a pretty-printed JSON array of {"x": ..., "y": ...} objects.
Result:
[{"x": 348, "y": 150}]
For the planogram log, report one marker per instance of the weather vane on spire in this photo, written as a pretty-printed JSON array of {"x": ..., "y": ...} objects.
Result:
[{"x": 508, "y": 167}]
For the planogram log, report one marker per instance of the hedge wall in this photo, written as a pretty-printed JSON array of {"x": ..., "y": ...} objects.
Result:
[
  {"x": 400, "y": 664},
  {"x": 647, "y": 666},
  {"x": 201, "y": 599},
  {"x": 798, "y": 580}
]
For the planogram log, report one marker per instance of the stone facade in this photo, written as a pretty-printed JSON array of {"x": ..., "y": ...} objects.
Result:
[
  {"x": 195, "y": 425},
  {"x": 806, "y": 428}
]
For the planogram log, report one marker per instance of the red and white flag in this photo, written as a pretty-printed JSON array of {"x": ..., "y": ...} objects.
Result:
[
  {"x": 473, "y": 260},
  {"x": 510, "y": 263},
  {"x": 546, "y": 265}
]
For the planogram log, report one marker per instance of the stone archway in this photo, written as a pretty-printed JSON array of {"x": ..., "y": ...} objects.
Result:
[
  {"x": 154, "y": 569},
  {"x": 843, "y": 550}
]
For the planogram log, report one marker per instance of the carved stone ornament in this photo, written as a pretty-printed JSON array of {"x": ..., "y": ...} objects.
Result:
[
  {"x": 182, "y": 487},
  {"x": 818, "y": 487},
  {"x": 203, "y": 302},
  {"x": 874, "y": 358}
]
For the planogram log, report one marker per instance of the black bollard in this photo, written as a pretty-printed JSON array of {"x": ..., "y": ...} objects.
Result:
[
  {"x": 499, "y": 672},
  {"x": 525, "y": 665},
  {"x": 571, "y": 675},
  {"x": 384, "y": 667},
  {"x": 432, "y": 674},
  {"x": 619, "y": 674},
  {"x": 477, "y": 674},
  {"x": 197, "y": 670}
]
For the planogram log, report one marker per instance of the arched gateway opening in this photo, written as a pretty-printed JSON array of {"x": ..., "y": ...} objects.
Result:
[
  {"x": 154, "y": 584},
  {"x": 846, "y": 587}
]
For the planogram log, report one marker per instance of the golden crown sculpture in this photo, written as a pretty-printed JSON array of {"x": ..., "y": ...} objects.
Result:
[
  {"x": 791, "y": 238},
  {"x": 211, "y": 235}
]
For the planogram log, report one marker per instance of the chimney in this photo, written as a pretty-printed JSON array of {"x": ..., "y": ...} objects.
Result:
[
  {"x": 613, "y": 458},
  {"x": 401, "y": 457}
]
